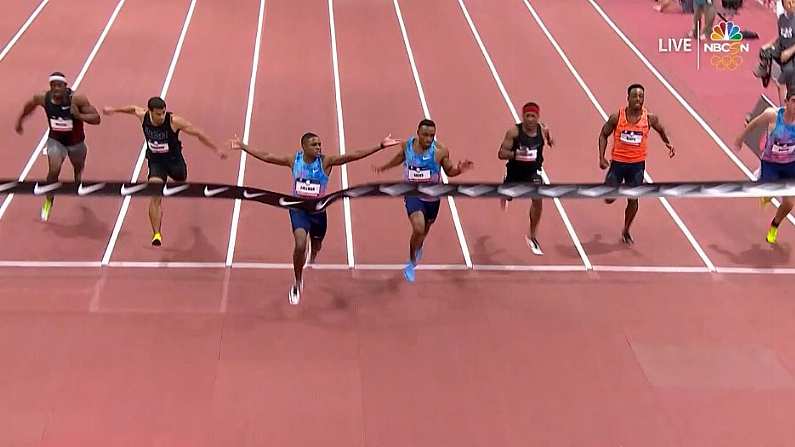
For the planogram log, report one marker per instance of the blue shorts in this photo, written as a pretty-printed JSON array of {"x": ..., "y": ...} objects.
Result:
[
  {"x": 772, "y": 172},
  {"x": 630, "y": 174},
  {"x": 429, "y": 209},
  {"x": 314, "y": 224}
]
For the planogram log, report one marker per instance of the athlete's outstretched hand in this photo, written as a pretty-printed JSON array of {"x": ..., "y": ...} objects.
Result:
[
  {"x": 389, "y": 141},
  {"x": 236, "y": 144},
  {"x": 671, "y": 150},
  {"x": 108, "y": 110},
  {"x": 465, "y": 165}
]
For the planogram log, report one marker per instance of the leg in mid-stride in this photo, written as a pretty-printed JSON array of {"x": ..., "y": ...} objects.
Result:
[
  {"x": 772, "y": 172},
  {"x": 159, "y": 172},
  {"x": 630, "y": 174},
  {"x": 422, "y": 214},
  {"x": 309, "y": 229}
]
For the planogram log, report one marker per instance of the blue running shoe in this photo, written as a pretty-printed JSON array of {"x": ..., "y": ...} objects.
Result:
[{"x": 409, "y": 273}]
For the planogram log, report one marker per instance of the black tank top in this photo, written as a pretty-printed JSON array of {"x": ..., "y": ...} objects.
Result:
[
  {"x": 529, "y": 152},
  {"x": 63, "y": 127},
  {"x": 161, "y": 141}
]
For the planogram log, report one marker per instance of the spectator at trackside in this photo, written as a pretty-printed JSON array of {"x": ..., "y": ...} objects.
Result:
[
  {"x": 705, "y": 9},
  {"x": 782, "y": 48}
]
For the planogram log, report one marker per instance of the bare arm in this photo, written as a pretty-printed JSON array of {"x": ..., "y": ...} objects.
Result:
[
  {"x": 449, "y": 168},
  {"x": 397, "y": 160},
  {"x": 336, "y": 160},
  {"x": 547, "y": 135},
  {"x": 608, "y": 128},
  {"x": 654, "y": 122},
  {"x": 506, "y": 148},
  {"x": 84, "y": 111},
  {"x": 27, "y": 109},
  {"x": 178, "y": 123},
  {"x": 128, "y": 110},
  {"x": 763, "y": 119},
  {"x": 267, "y": 157}
]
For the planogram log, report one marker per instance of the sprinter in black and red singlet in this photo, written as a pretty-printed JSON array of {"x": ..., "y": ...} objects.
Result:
[
  {"x": 523, "y": 147},
  {"x": 163, "y": 149},
  {"x": 66, "y": 112}
]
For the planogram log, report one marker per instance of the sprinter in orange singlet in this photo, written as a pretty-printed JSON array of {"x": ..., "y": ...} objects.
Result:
[{"x": 630, "y": 130}]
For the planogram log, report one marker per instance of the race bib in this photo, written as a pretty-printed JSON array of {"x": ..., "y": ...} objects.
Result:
[
  {"x": 782, "y": 149},
  {"x": 61, "y": 125},
  {"x": 419, "y": 175},
  {"x": 526, "y": 154},
  {"x": 307, "y": 188},
  {"x": 158, "y": 148},
  {"x": 633, "y": 137}
]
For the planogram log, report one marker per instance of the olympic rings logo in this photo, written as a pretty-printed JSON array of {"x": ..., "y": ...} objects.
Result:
[{"x": 727, "y": 61}]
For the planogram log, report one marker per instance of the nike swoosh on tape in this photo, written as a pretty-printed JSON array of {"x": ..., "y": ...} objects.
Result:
[
  {"x": 322, "y": 204},
  {"x": 82, "y": 191},
  {"x": 284, "y": 202},
  {"x": 171, "y": 191},
  {"x": 251, "y": 195},
  {"x": 212, "y": 192},
  {"x": 39, "y": 190},
  {"x": 125, "y": 191}
]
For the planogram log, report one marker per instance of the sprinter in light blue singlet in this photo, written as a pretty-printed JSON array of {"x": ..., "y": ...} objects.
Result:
[
  {"x": 310, "y": 174},
  {"x": 778, "y": 153},
  {"x": 423, "y": 159}
]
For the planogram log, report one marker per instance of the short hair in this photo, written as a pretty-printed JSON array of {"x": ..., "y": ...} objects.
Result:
[
  {"x": 156, "y": 102},
  {"x": 305, "y": 137},
  {"x": 427, "y": 123},
  {"x": 633, "y": 87}
]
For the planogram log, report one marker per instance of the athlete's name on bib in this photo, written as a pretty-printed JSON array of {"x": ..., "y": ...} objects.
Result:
[
  {"x": 419, "y": 175},
  {"x": 524, "y": 153},
  {"x": 307, "y": 188},
  {"x": 633, "y": 137},
  {"x": 158, "y": 148},
  {"x": 61, "y": 125},
  {"x": 784, "y": 148}
]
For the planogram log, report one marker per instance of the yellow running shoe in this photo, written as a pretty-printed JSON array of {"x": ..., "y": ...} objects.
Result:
[
  {"x": 45, "y": 209},
  {"x": 765, "y": 201},
  {"x": 157, "y": 239},
  {"x": 772, "y": 233}
]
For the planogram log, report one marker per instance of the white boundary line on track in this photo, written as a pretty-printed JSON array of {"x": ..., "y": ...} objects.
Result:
[
  {"x": 34, "y": 156},
  {"x": 22, "y": 29},
  {"x": 346, "y": 203},
  {"x": 674, "y": 215},
  {"x": 558, "y": 204},
  {"x": 241, "y": 172},
  {"x": 395, "y": 267},
  {"x": 453, "y": 208},
  {"x": 682, "y": 101},
  {"x": 141, "y": 156}
]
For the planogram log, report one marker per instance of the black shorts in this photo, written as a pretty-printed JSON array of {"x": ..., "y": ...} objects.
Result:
[
  {"x": 174, "y": 168},
  {"x": 525, "y": 177},
  {"x": 630, "y": 174}
]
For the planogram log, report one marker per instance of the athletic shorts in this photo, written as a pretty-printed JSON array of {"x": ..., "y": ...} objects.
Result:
[
  {"x": 174, "y": 168},
  {"x": 314, "y": 224},
  {"x": 57, "y": 152},
  {"x": 429, "y": 209},
  {"x": 701, "y": 3},
  {"x": 630, "y": 174},
  {"x": 772, "y": 172},
  {"x": 530, "y": 176}
]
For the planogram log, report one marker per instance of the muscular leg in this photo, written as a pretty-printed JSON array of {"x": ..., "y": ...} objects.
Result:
[
  {"x": 56, "y": 154},
  {"x": 315, "y": 247},
  {"x": 299, "y": 254},
  {"x": 536, "y": 207},
  {"x": 419, "y": 229},
  {"x": 77, "y": 156},
  {"x": 155, "y": 208},
  {"x": 629, "y": 217}
]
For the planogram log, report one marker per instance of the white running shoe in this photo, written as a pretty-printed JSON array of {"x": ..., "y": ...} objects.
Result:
[
  {"x": 535, "y": 247},
  {"x": 295, "y": 293}
]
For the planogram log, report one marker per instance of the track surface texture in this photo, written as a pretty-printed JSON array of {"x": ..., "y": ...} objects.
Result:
[{"x": 678, "y": 340}]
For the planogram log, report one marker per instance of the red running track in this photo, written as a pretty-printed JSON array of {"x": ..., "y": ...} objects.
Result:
[{"x": 144, "y": 352}]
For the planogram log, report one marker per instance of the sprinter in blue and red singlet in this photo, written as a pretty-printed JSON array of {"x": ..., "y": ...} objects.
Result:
[
  {"x": 310, "y": 173},
  {"x": 423, "y": 159},
  {"x": 778, "y": 154}
]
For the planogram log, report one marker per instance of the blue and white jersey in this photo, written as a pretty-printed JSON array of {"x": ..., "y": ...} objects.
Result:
[{"x": 309, "y": 180}]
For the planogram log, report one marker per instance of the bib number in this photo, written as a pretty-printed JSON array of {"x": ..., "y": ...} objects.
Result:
[
  {"x": 61, "y": 125},
  {"x": 784, "y": 149},
  {"x": 526, "y": 154},
  {"x": 307, "y": 188},
  {"x": 419, "y": 175},
  {"x": 158, "y": 148},
  {"x": 631, "y": 137}
]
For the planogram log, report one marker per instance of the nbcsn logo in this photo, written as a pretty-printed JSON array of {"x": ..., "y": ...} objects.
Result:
[{"x": 725, "y": 46}]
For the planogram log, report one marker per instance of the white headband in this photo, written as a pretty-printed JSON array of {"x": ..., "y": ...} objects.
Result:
[{"x": 58, "y": 78}]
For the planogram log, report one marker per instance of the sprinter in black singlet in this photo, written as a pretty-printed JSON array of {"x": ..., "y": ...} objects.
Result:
[
  {"x": 66, "y": 112},
  {"x": 163, "y": 149},
  {"x": 523, "y": 147}
]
